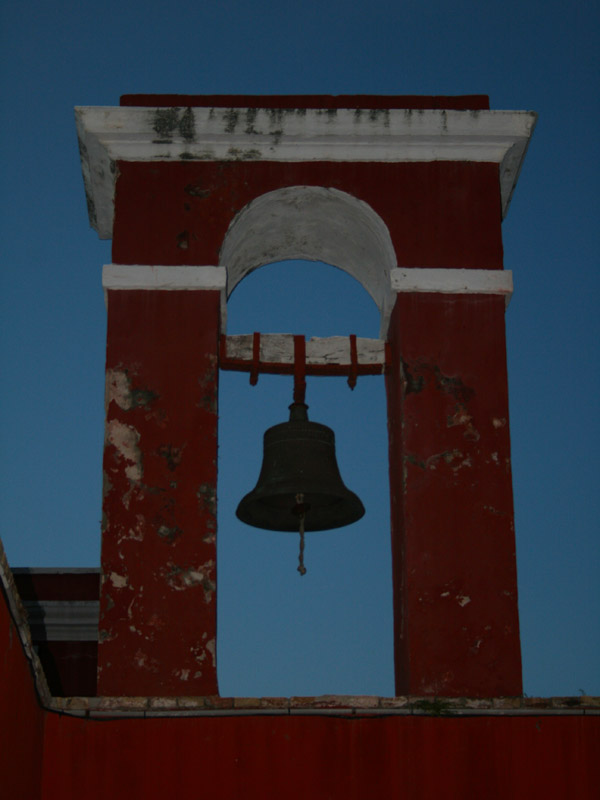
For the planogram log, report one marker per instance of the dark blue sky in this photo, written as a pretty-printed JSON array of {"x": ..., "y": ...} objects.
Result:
[{"x": 330, "y": 632}]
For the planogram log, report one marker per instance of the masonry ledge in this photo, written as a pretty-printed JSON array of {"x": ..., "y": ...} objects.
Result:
[{"x": 326, "y": 705}]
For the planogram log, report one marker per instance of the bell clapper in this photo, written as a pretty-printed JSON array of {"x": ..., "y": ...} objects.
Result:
[{"x": 300, "y": 510}]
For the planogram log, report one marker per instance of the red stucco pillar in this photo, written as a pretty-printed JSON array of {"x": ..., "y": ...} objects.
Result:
[
  {"x": 158, "y": 618},
  {"x": 455, "y": 588}
]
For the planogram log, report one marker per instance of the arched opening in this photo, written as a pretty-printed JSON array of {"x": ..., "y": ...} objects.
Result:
[
  {"x": 316, "y": 224},
  {"x": 330, "y": 631}
]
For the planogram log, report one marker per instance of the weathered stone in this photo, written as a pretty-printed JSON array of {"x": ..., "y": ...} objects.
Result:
[
  {"x": 274, "y": 702},
  {"x": 246, "y": 702},
  {"x": 536, "y": 702},
  {"x": 214, "y": 701},
  {"x": 192, "y": 703},
  {"x": 163, "y": 702},
  {"x": 507, "y": 702},
  {"x": 394, "y": 702},
  {"x": 122, "y": 703}
]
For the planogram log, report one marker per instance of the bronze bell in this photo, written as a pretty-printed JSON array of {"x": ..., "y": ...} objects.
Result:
[{"x": 299, "y": 477}]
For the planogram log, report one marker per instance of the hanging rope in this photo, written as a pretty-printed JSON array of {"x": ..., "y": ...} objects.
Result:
[{"x": 301, "y": 511}]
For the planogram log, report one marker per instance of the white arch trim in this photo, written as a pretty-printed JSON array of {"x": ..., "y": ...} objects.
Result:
[{"x": 316, "y": 224}]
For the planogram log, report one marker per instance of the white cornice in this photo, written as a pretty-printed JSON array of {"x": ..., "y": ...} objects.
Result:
[{"x": 111, "y": 134}]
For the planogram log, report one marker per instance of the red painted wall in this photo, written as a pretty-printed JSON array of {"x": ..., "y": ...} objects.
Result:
[
  {"x": 439, "y": 214},
  {"x": 322, "y": 758},
  {"x": 455, "y": 583},
  {"x": 157, "y": 604},
  {"x": 21, "y": 718},
  {"x": 50, "y": 756}
]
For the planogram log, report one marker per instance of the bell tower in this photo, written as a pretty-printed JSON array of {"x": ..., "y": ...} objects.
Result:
[{"x": 407, "y": 194}]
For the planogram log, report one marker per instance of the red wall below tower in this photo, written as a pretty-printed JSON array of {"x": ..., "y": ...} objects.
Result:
[
  {"x": 21, "y": 716},
  {"x": 45, "y": 755},
  {"x": 322, "y": 758}
]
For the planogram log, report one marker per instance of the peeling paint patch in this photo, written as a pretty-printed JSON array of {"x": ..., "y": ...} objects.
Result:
[
  {"x": 169, "y": 534},
  {"x": 207, "y": 496},
  {"x": 125, "y": 439},
  {"x": 211, "y": 646},
  {"x": 142, "y": 397},
  {"x": 493, "y": 510},
  {"x": 144, "y": 661},
  {"x": 462, "y": 418},
  {"x": 466, "y": 462},
  {"x": 462, "y": 600},
  {"x": 137, "y": 532},
  {"x": 154, "y": 621},
  {"x": 453, "y": 386},
  {"x": 498, "y": 422},
  {"x": 448, "y": 456},
  {"x": 412, "y": 459},
  {"x": 172, "y": 455},
  {"x": 118, "y": 581},
  {"x": 118, "y": 388},
  {"x": 182, "y": 578},
  {"x": 412, "y": 384},
  {"x": 196, "y": 190}
]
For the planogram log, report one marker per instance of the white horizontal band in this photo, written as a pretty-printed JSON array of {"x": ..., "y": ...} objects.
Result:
[
  {"x": 453, "y": 281},
  {"x": 137, "y": 276}
]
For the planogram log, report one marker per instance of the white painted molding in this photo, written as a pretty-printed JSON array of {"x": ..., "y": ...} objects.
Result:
[
  {"x": 453, "y": 281},
  {"x": 173, "y": 278},
  {"x": 111, "y": 134},
  {"x": 278, "y": 348}
]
